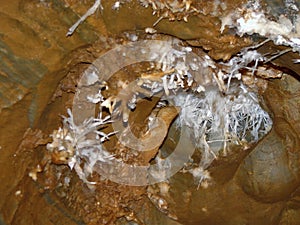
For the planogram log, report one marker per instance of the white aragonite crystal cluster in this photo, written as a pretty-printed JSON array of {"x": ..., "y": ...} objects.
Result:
[
  {"x": 80, "y": 146},
  {"x": 252, "y": 19},
  {"x": 216, "y": 121},
  {"x": 217, "y": 116}
]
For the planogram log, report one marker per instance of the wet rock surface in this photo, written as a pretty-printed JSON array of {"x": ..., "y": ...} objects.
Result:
[
  {"x": 201, "y": 29},
  {"x": 281, "y": 178}
]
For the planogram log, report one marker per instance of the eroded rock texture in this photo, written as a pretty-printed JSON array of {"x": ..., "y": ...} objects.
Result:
[{"x": 39, "y": 71}]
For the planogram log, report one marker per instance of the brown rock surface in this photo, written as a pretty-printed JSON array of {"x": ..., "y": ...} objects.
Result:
[{"x": 38, "y": 73}]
